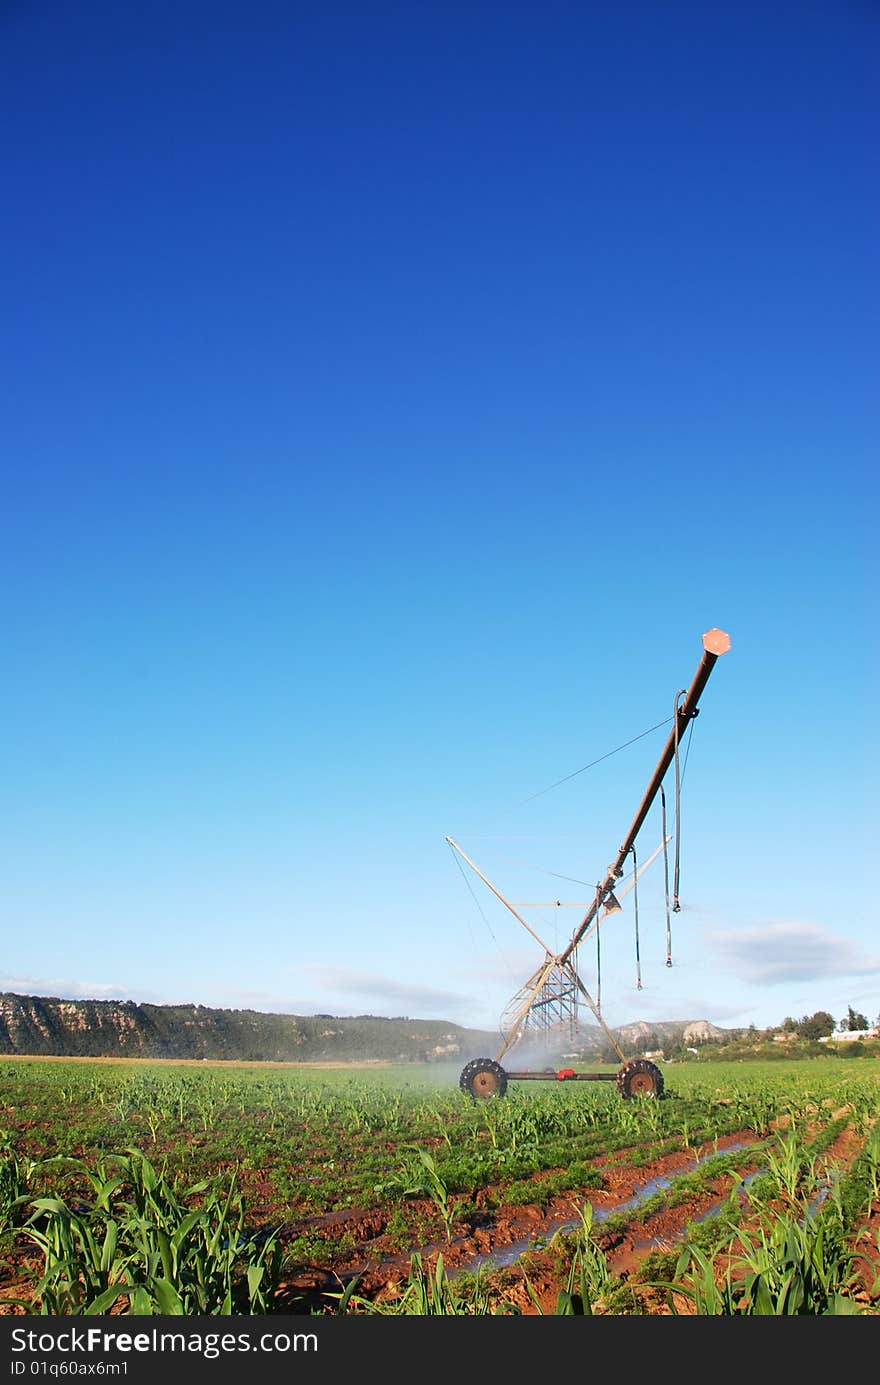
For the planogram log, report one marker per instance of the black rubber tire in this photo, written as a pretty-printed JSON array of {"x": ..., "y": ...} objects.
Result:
[
  {"x": 640, "y": 1077},
  {"x": 483, "y": 1078}
]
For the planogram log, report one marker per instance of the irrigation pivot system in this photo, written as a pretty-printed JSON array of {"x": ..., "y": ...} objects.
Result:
[{"x": 551, "y": 995}]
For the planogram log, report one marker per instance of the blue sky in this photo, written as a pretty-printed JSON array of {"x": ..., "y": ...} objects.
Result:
[{"x": 391, "y": 398}]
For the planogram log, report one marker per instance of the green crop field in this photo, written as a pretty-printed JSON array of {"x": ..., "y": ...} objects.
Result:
[{"x": 195, "y": 1188}]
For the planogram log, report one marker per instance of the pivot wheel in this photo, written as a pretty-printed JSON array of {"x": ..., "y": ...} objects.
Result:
[
  {"x": 639, "y": 1077},
  {"x": 483, "y": 1077}
]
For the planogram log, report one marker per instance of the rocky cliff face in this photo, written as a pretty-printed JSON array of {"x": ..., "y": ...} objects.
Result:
[
  {"x": 51, "y": 1027},
  {"x": 669, "y": 1033},
  {"x": 35, "y": 1024}
]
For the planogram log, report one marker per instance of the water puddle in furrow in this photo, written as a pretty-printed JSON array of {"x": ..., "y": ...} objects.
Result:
[
  {"x": 508, "y": 1255},
  {"x": 654, "y": 1242}
]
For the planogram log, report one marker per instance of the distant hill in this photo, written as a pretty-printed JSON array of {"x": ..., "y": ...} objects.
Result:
[
  {"x": 670, "y": 1033},
  {"x": 50, "y": 1027},
  {"x": 46, "y": 1026}
]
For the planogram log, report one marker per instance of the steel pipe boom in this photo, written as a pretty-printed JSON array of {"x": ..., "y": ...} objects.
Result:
[{"x": 715, "y": 643}]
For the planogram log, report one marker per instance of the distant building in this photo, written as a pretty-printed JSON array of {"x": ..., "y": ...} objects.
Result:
[{"x": 846, "y": 1036}]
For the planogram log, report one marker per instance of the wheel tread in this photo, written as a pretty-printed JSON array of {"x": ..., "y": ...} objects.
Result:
[
  {"x": 634, "y": 1068},
  {"x": 472, "y": 1070}
]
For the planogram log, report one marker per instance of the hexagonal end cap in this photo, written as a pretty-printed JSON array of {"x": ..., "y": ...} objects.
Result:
[{"x": 716, "y": 642}]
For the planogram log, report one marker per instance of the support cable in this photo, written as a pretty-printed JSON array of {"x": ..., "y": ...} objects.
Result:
[
  {"x": 479, "y": 907},
  {"x": 636, "y": 911},
  {"x": 666, "y": 875},
  {"x": 583, "y": 768},
  {"x": 687, "y": 749}
]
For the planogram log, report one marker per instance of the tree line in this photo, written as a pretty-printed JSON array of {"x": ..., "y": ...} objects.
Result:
[{"x": 822, "y": 1025}]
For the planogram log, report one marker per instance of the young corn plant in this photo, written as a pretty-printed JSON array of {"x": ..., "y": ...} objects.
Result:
[
  {"x": 871, "y": 1161},
  {"x": 783, "y": 1268},
  {"x": 695, "y": 1279},
  {"x": 425, "y": 1178},
  {"x": 144, "y": 1246},
  {"x": 442, "y": 1128},
  {"x": 198, "y": 1259},
  {"x": 589, "y": 1258},
  {"x": 489, "y": 1113},
  {"x": 865, "y": 1234},
  {"x": 427, "y": 1293},
  {"x": 790, "y": 1166},
  {"x": 430, "y": 1295},
  {"x": 82, "y": 1269},
  {"x": 16, "y": 1174},
  {"x": 797, "y": 1268},
  {"x": 588, "y": 1276}
]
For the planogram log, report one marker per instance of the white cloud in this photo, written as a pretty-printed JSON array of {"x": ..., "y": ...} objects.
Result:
[
  {"x": 66, "y": 989},
  {"x": 774, "y": 954},
  {"x": 393, "y": 996}
]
